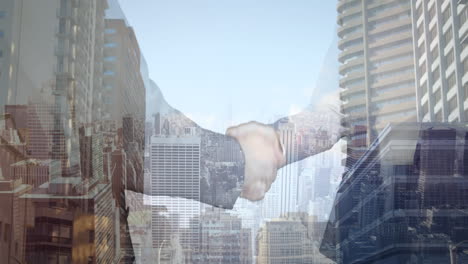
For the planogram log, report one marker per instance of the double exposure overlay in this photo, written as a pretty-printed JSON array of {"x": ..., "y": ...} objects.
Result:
[{"x": 197, "y": 151}]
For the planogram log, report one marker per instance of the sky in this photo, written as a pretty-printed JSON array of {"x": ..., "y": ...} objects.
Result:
[{"x": 222, "y": 62}]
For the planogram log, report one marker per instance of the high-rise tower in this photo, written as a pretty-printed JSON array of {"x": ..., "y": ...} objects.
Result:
[
  {"x": 377, "y": 68},
  {"x": 175, "y": 172},
  {"x": 441, "y": 36}
]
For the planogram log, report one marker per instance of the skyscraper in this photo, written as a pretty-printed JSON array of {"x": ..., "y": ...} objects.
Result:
[
  {"x": 404, "y": 201},
  {"x": 223, "y": 239},
  {"x": 289, "y": 240},
  {"x": 123, "y": 82},
  {"x": 441, "y": 63},
  {"x": 175, "y": 172},
  {"x": 288, "y": 176},
  {"x": 377, "y": 83}
]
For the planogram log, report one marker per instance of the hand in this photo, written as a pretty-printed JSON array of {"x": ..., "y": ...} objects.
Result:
[{"x": 263, "y": 156}]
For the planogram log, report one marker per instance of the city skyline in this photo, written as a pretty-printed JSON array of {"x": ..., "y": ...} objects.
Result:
[{"x": 114, "y": 149}]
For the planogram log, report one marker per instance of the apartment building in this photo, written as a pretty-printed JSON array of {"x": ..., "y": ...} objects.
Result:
[{"x": 377, "y": 71}]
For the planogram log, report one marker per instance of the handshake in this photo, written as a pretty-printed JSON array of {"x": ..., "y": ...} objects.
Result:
[{"x": 264, "y": 155}]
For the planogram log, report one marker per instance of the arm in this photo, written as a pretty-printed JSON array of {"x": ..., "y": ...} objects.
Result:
[
  {"x": 221, "y": 160},
  {"x": 270, "y": 147},
  {"x": 258, "y": 152},
  {"x": 309, "y": 132}
]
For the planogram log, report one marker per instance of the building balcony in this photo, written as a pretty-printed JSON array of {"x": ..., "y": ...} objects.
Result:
[
  {"x": 392, "y": 53},
  {"x": 351, "y": 77},
  {"x": 390, "y": 26},
  {"x": 59, "y": 241},
  {"x": 348, "y": 38},
  {"x": 350, "y": 90},
  {"x": 393, "y": 66},
  {"x": 391, "y": 38},
  {"x": 354, "y": 102},
  {"x": 391, "y": 12},
  {"x": 395, "y": 108},
  {"x": 346, "y": 11},
  {"x": 355, "y": 116},
  {"x": 355, "y": 62},
  {"x": 341, "y": 5},
  {"x": 349, "y": 52},
  {"x": 343, "y": 31}
]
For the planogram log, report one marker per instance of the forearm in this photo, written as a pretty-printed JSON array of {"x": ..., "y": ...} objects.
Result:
[
  {"x": 221, "y": 162},
  {"x": 221, "y": 169},
  {"x": 308, "y": 133}
]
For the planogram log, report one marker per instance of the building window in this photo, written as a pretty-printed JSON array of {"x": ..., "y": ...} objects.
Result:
[
  {"x": 438, "y": 116},
  {"x": 110, "y": 30},
  {"x": 2, "y": 33},
  {"x": 446, "y": 14},
  {"x": 465, "y": 87},
  {"x": 449, "y": 58},
  {"x": 422, "y": 69},
  {"x": 422, "y": 48},
  {"x": 451, "y": 80},
  {"x": 419, "y": 10},
  {"x": 2, "y": 14},
  {"x": 424, "y": 88},
  {"x": 463, "y": 16},
  {"x": 435, "y": 52},
  {"x": 432, "y": 12},
  {"x": 465, "y": 65},
  {"x": 1, "y": 53},
  {"x": 448, "y": 36},
  {"x": 110, "y": 45},
  {"x": 62, "y": 25},
  {"x": 420, "y": 29},
  {"x": 110, "y": 58},
  {"x": 433, "y": 33},
  {"x": 6, "y": 234},
  {"x": 91, "y": 236},
  {"x": 452, "y": 104},
  {"x": 425, "y": 109},
  {"x": 435, "y": 74},
  {"x": 437, "y": 96}
]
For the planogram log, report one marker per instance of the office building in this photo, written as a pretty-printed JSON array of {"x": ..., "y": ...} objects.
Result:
[
  {"x": 31, "y": 171},
  {"x": 440, "y": 57},
  {"x": 13, "y": 219},
  {"x": 71, "y": 228},
  {"x": 123, "y": 81},
  {"x": 124, "y": 88},
  {"x": 175, "y": 172},
  {"x": 282, "y": 198},
  {"x": 223, "y": 239},
  {"x": 404, "y": 201},
  {"x": 290, "y": 239}
]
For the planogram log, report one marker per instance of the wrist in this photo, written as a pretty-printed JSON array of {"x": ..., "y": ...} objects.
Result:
[{"x": 263, "y": 156}]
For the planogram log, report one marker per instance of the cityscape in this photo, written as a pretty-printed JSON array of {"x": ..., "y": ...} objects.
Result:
[{"x": 97, "y": 167}]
